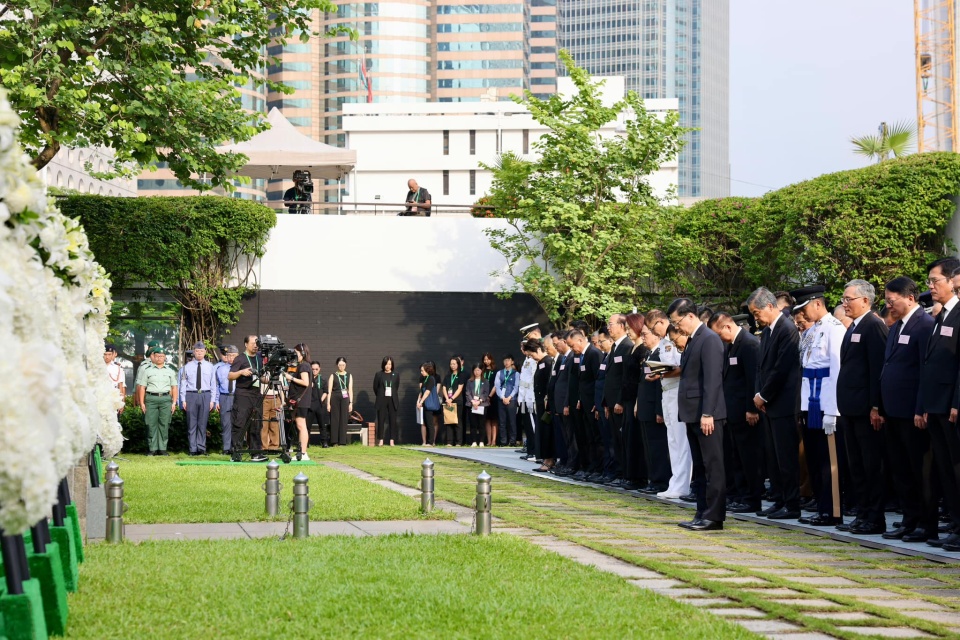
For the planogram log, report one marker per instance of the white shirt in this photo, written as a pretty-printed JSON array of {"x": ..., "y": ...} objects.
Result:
[
  {"x": 115, "y": 372},
  {"x": 669, "y": 354},
  {"x": 822, "y": 351},
  {"x": 905, "y": 319},
  {"x": 617, "y": 343},
  {"x": 525, "y": 393},
  {"x": 947, "y": 308}
]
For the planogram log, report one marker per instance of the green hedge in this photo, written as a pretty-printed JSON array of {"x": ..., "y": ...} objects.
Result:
[{"x": 135, "y": 431}]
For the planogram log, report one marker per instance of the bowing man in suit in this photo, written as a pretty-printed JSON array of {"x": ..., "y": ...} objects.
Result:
[
  {"x": 591, "y": 446},
  {"x": 940, "y": 395},
  {"x": 907, "y": 441},
  {"x": 778, "y": 397},
  {"x": 858, "y": 399},
  {"x": 701, "y": 406},
  {"x": 743, "y": 419},
  {"x": 613, "y": 389},
  {"x": 559, "y": 399}
]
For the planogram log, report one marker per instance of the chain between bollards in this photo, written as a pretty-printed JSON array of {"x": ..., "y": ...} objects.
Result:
[
  {"x": 272, "y": 487},
  {"x": 426, "y": 486},
  {"x": 115, "y": 509},
  {"x": 301, "y": 506},
  {"x": 483, "y": 516}
]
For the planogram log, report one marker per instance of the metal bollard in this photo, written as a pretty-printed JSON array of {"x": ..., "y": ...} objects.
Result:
[
  {"x": 301, "y": 506},
  {"x": 115, "y": 509},
  {"x": 426, "y": 486},
  {"x": 272, "y": 486},
  {"x": 112, "y": 470},
  {"x": 484, "y": 517}
]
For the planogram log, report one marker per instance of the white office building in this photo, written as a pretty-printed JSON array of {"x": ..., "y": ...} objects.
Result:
[
  {"x": 68, "y": 170},
  {"x": 442, "y": 146}
]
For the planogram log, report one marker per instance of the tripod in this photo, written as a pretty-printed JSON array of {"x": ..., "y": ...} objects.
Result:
[{"x": 282, "y": 416}]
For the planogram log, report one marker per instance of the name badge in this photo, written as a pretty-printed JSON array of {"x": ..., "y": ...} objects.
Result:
[
  {"x": 603, "y": 367},
  {"x": 563, "y": 366},
  {"x": 733, "y": 361},
  {"x": 583, "y": 367},
  {"x": 618, "y": 359},
  {"x": 388, "y": 392},
  {"x": 903, "y": 339},
  {"x": 346, "y": 394},
  {"x": 647, "y": 370},
  {"x": 542, "y": 365},
  {"x": 946, "y": 332},
  {"x": 855, "y": 337},
  {"x": 577, "y": 360}
]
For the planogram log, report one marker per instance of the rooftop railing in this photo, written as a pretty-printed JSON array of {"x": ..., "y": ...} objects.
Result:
[{"x": 377, "y": 209}]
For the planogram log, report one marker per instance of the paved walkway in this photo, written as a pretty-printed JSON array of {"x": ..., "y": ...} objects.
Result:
[
  {"x": 507, "y": 458},
  {"x": 780, "y": 583},
  {"x": 208, "y": 531}
]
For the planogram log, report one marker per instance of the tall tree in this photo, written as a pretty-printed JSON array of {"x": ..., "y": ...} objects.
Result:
[
  {"x": 154, "y": 80},
  {"x": 579, "y": 218},
  {"x": 896, "y": 140}
]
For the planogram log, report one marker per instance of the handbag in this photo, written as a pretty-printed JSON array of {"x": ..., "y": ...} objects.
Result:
[
  {"x": 546, "y": 418},
  {"x": 432, "y": 403},
  {"x": 450, "y": 414}
]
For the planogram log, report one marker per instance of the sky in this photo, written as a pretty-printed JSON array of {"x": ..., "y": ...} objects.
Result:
[{"x": 807, "y": 76}]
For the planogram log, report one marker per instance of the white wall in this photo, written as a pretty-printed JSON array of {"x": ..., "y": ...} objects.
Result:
[
  {"x": 67, "y": 170},
  {"x": 381, "y": 253}
]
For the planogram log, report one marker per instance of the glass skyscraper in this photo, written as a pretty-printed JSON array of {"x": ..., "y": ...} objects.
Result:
[{"x": 665, "y": 49}]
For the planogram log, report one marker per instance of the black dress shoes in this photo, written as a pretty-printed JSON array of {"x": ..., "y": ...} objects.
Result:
[
  {"x": 918, "y": 535},
  {"x": 784, "y": 514},
  {"x": 771, "y": 509},
  {"x": 580, "y": 475},
  {"x": 616, "y": 483},
  {"x": 563, "y": 472},
  {"x": 953, "y": 539},
  {"x": 741, "y": 508},
  {"x": 809, "y": 504},
  {"x": 951, "y": 546},
  {"x": 630, "y": 485},
  {"x": 689, "y": 498},
  {"x": 896, "y": 534},
  {"x": 697, "y": 519},
  {"x": 868, "y": 529},
  {"x": 820, "y": 521},
  {"x": 707, "y": 525},
  {"x": 853, "y": 523}
]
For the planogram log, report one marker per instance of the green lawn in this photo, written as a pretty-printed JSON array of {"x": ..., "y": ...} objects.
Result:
[
  {"x": 157, "y": 490},
  {"x": 379, "y": 587}
]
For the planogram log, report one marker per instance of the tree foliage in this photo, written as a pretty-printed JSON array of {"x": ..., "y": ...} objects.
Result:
[
  {"x": 896, "y": 139},
  {"x": 154, "y": 80},
  {"x": 201, "y": 250},
  {"x": 579, "y": 216}
]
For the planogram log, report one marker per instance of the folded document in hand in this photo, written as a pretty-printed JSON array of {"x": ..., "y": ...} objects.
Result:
[{"x": 659, "y": 367}]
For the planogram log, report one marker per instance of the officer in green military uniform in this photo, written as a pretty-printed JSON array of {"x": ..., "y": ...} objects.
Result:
[{"x": 157, "y": 389}]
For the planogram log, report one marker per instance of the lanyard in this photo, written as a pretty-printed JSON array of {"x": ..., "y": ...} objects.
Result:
[
  {"x": 416, "y": 196},
  {"x": 256, "y": 368},
  {"x": 453, "y": 381},
  {"x": 388, "y": 381},
  {"x": 477, "y": 387},
  {"x": 506, "y": 376},
  {"x": 343, "y": 380}
]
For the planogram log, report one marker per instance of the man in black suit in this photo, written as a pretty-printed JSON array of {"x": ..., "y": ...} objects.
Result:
[
  {"x": 743, "y": 419},
  {"x": 858, "y": 400},
  {"x": 702, "y": 408},
  {"x": 907, "y": 440},
  {"x": 561, "y": 404},
  {"x": 940, "y": 395},
  {"x": 612, "y": 389},
  {"x": 778, "y": 397},
  {"x": 591, "y": 446}
]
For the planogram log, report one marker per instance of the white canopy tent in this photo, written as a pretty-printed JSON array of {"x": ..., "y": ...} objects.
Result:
[{"x": 280, "y": 150}]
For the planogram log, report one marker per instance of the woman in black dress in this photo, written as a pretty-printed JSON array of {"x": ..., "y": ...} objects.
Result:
[
  {"x": 428, "y": 397},
  {"x": 453, "y": 394},
  {"x": 319, "y": 406},
  {"x": 386, "y": 386},
  {"x": 340, "y": 401},
  {"x": 493, "y": 412},
  {"x": 300, "y": 395}
]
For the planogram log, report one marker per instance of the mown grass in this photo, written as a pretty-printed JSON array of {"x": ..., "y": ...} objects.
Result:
[
  {"x": 379, "y": 587},
  {"x": 157, "y": 490}
]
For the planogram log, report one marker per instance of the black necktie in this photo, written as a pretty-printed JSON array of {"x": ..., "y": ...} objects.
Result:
[
  {"x": 198, "y": 375},
  {"x": 898, "y": 327}
]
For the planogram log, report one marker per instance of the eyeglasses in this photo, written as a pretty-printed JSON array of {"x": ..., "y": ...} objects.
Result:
[
  {"x": 848, "y": 299},
  {"x": 933, "y": 281}
]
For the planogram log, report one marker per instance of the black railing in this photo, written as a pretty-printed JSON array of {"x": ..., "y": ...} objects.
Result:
[{"x": 377, "y": 209}]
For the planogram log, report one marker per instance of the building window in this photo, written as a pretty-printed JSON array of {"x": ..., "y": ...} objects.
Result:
[
  {"x": 446, "y": 182},
  {"x": 473, "y": 143},
  {"x": 526, "y": 141},
  {"x": 473, "y": 182},
  {"x": 446, "y": 143}
]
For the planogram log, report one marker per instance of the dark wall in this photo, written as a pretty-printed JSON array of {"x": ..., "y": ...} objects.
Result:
[{"x": 412, "y": 328}]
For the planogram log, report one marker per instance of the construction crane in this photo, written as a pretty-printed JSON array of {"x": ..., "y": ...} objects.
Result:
[{"x": 936, "y": 39}]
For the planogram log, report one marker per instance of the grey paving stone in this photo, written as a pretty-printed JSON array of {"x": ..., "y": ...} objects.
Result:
[
  {"x": 739, "y": 579},
  {"x": 861, "y": 592},
  {"x": 776, "y": 591},
  {"x": 879, "y": 573},
  {"x": 940, "y": 617},
  {"x": 683, "y": 593},
  {"x": 768, "y": 626},
  {"x": 822, "y": 581},
  {"x": 906, "y": 605},
  {"x": 810, "y": 635},
  {"x": 887, "y": 632},
  {"x": 738, "y": 613},
  {"x": 940, "y": 593},
  {"x": 913, "y": 582},
  {"x": 707, "y": 602},
  {"x": 656, "y": 584},
  {"x": 808, "y": 603},
  {"x": 844, "y": 616}
]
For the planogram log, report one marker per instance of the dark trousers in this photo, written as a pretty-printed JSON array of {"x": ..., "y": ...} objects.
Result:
[
  {"x": 508, "y": 422},
  {"x": 247, "y": 420},
  {"x": 770, "y": 466},
  {"x": 226, "y": 420},
  {"x": 657, "y": 452},
  {"x": 747, "y": 443},
  {"x": 478, "y": 422},
  {"x": 824, "y": 460},
  {"x": 910, "y": 459},
  {"x": 453, "y": 433},
  {"x": 560, "y": 439},
  {"x": 946, "y": 456},
  {"x": 786, "y": 448},
  {"x": 864, "y": 448},
  {"x": 709, "y": 480},
  {"x": 609, "y": 457},
  {"x": 591, "y": 441},
  {"x": 570, "y": 438},
  {"x": 616, "y": 430},
  {"x": 634, "y": 456},
  {"x": 387, "y": 429},
  {"x": 339, "y": 417},
  {"x": 198, "y": 413}
]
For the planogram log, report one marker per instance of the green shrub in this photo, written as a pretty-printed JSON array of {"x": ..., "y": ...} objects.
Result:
[{"x": 135, "y": 431}]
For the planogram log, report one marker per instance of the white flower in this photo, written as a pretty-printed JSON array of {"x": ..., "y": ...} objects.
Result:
[{"x": 19, "y": 198}]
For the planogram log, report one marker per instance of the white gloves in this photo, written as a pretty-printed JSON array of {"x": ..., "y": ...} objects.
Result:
[{"x": 829, "y": 425}]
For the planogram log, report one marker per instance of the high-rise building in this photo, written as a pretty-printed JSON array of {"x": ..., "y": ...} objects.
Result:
[{"x": 665, "y": 49}]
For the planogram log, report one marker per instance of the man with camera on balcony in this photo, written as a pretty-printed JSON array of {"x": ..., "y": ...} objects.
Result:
[{"x": 298, "y": 197}]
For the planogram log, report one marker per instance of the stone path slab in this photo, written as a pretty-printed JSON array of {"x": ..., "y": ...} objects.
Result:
[{"x": 221, "y": 531}]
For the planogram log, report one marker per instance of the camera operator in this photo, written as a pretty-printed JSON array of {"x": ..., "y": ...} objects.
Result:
[
  {"x": 247, "y": 403},
  {"x": 300, "y": 395},
  {"x": 301, "y": 192}
]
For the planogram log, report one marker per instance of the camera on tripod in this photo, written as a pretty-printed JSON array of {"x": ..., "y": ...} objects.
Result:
[
  {"x": 277, "y": 358},
  {"x": 302, "y": 178}
]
